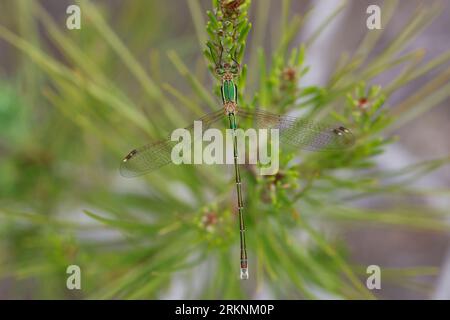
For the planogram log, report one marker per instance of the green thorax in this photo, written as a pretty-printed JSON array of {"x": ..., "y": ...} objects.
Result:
[{"x": 229, "y": 91}]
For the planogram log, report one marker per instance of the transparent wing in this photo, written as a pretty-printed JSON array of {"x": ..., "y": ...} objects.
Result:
[
  {"x": 301, "y": 133},
  {"x": 155, "y": 155}
]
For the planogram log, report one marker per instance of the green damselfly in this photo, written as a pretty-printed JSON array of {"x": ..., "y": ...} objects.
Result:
[{"x": 293, "y": 132}]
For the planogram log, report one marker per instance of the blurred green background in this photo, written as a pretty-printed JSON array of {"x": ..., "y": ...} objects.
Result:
[{"x": 74, "y": 102}]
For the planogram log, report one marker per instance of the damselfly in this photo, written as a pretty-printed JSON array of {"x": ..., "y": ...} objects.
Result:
[{"x": 293, "y": 132}]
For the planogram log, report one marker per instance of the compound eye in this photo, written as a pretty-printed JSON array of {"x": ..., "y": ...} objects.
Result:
[
  {"x": 234, "y": 70},
  {"x": 220, "y": 71}
]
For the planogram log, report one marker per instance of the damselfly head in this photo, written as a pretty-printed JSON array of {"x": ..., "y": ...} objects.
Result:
[
  {"x": 231, "y": 68},
  {"x": 220, "y": 71}
]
